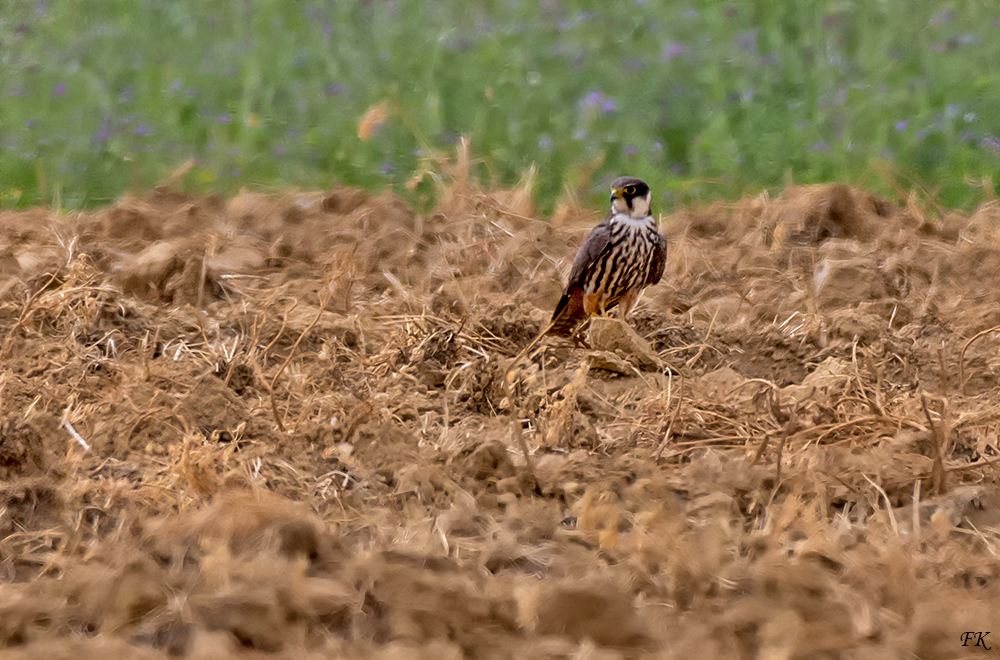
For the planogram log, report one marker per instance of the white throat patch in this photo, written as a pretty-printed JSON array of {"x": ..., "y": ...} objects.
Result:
[
  {"x": 619, "y": 206},
  {"x": 631, "y": 222}
]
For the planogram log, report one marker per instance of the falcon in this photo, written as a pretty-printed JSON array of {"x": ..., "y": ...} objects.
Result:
[{"x": 620, "y": 257}]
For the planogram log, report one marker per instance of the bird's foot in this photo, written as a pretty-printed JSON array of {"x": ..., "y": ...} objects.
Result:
[{"x": 579, "y": 340}]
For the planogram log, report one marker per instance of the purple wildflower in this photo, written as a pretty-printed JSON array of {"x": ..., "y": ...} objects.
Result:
[
  {"x": 545, "y": 143},
  {"x": 60, "y": 90},
  {"x": 225, "y": 118},
  {"x": 820, "y": 146},
  {"x": 142, "y": 129},
  {"x": 992, "y": 143},
  {"x": 597, "y": 100},
  {"x": 901, "y": 126},
  {"x": 17, "y": 91},
  {"x": 671, "y": 51}
]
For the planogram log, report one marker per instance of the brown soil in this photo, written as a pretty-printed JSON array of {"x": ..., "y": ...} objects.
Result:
[{"x": 279, "y": 426}]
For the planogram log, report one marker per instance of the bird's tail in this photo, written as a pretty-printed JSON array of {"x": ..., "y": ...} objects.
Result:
[{"x": 568, "y": 315}]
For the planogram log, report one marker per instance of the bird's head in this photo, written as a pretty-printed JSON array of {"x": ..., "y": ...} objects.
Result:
[{"x": 631, "y": 196}]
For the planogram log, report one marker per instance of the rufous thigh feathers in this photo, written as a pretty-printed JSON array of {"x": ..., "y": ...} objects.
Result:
[
  {"x": 591, "y": 303},
  {"x": 627, "y": 301}
]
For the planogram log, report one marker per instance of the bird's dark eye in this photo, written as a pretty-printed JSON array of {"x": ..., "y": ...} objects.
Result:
[{"x": 629, "y": 190}]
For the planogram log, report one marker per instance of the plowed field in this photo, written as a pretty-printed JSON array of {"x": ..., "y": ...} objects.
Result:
[{"x": 279, "y": 425}]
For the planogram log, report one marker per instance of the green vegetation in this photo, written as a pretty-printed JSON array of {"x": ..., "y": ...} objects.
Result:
[{"x": 704, "y": 99}]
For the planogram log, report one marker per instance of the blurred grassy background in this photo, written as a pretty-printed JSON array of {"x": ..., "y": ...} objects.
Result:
[{"x": 704, "y": 99}]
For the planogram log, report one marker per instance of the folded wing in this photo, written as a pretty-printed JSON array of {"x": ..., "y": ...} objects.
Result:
[{"x": 569, "y": 312}]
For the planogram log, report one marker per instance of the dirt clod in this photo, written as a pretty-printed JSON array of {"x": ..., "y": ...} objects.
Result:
[{"x": 614, "y": 336}]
